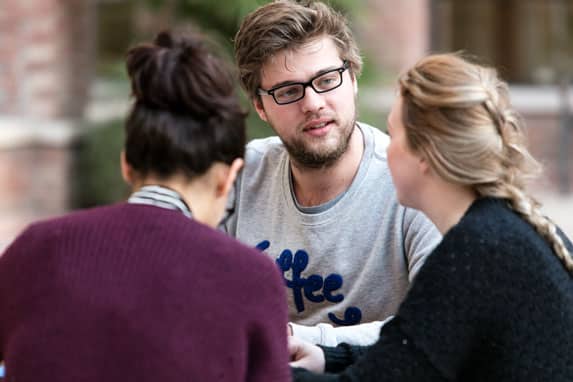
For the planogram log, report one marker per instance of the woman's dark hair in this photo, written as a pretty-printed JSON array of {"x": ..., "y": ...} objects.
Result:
[{"x": 185, "y": 114}]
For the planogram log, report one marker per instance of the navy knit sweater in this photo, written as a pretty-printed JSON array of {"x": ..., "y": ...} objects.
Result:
[
  {"x": 139, "y": 293},
  {"x": 491, "y": 303}
]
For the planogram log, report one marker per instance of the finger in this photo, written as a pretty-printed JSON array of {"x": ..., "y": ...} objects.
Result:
[
  {"x": 293, "y": 347},
  {"x": 297, "y": 363}
]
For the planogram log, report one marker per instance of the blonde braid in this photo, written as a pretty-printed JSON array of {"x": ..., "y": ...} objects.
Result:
[
  {"x": 519, "y": 164},
  {"x": 528, "y": 208}
]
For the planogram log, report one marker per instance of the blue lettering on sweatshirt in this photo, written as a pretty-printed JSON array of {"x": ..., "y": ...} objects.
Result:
[{"x": 313, "y": 288}]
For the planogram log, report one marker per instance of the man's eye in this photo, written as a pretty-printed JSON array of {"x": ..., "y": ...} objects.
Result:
[
  {"x": 288, "y": 92},
  {"x": 326, "y": 81}
]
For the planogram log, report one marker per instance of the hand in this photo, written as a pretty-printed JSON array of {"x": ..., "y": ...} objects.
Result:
[{"x": 306, "y": 355}]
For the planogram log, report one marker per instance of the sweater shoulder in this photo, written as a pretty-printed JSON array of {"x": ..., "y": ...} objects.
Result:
[
  {"x": 489, "y": 222},
  {"x": 493, "y": 241},
  {"x": 163, "y": 235},
  {"x": 73, "y": 220},
  {"x": 492, "y": 275}
]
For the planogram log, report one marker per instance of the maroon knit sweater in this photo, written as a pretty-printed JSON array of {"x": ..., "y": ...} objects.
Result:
[{"x": 139, "y": 293}]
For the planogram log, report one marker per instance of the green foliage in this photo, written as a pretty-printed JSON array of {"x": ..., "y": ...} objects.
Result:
[
  {"x": 96, "y": 174},
  {"x": 223, "y": 21},
  {"x": 208, "y": 14},
  {"x": 231, "y": 13},
  {"x": 256, "y": 127}
]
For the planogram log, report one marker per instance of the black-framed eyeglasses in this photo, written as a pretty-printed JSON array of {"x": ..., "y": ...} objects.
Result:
[{"x": 324, "y": 82}]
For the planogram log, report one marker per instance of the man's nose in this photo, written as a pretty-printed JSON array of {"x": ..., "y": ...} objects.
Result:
[{"x": 312, "y": 100}]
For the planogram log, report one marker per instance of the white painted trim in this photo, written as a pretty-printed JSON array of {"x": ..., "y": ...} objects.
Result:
[
  {"x": 18, "y": 132},
  {"x": 527, "y": 99}
]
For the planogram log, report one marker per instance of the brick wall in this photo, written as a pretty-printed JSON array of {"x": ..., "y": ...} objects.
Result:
[
  {"x": 46, "y": 55},
  {"x": 541, "y": 109},
  {"x": 395, "y": 33},
  {"x": 46, "y": 61},
  {"x": 552, "y": 147},
  {"x": 34, "y": 186}
]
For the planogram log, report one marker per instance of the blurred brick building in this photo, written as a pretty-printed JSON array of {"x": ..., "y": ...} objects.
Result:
[
  {"x": 48, "y": 54},
  {"x": 529, "y": 41},
  {"x": 46, "y": 62}
]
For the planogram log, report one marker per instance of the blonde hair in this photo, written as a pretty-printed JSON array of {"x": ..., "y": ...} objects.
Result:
[
  {"x": 457, "y": 115},
  {"x": 288, "y": 25}
]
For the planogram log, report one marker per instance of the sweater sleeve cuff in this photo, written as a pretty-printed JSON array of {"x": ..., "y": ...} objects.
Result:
[
  {"x": 327, "y": 335},
  {"x": 318, "y": 334},
  {"x": 336, "y": 358}
]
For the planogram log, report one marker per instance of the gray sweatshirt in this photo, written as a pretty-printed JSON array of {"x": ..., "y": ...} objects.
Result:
[{"x": 348, "y": 263}]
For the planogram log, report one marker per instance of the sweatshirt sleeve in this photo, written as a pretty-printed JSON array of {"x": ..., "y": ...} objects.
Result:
[
  {"x": 420, "y": 238},
  {"x": 328, "y": 335}
]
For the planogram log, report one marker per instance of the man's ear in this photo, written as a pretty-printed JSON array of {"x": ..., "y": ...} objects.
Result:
[
  {"x": 127, "y": 172},
  {"x": 226, "y": 181},
  {"x": 258, "y": 104},
  {"x": 354, "y": 84}
]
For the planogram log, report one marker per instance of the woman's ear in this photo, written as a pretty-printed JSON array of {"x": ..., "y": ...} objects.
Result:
[
  {"x": 226, "y": 181},
  {"x": 126, "y": 169}
]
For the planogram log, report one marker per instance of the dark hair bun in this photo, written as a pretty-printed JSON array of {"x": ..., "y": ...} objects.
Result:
[
  {"x": 186, "y": 115},
  {"x": 179, "y": 74}
]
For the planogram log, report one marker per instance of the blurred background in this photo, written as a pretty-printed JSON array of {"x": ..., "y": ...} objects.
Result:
[{"x": 64, "y": 92}]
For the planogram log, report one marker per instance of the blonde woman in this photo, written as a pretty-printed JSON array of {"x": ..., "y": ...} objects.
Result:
[{"x": 494, "y": 300}]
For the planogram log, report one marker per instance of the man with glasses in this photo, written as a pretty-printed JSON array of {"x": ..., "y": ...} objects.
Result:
[{"x": 319, "y": 198}]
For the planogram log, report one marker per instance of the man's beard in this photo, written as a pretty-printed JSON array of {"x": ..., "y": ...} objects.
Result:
[{"x": 309, "y": 158}]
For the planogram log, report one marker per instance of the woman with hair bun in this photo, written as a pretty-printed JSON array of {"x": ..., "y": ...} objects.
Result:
[
  {"x": 149, "y": 290},
  {"x": 494, "y": 300}
]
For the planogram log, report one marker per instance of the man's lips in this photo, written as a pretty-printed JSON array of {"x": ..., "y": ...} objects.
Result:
[
  {"x": 317, "y": 124},
  {"x": 318, "y": 129}
]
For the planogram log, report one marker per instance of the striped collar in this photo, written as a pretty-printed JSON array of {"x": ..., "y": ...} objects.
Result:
[{"x": 160, "y": 196}]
